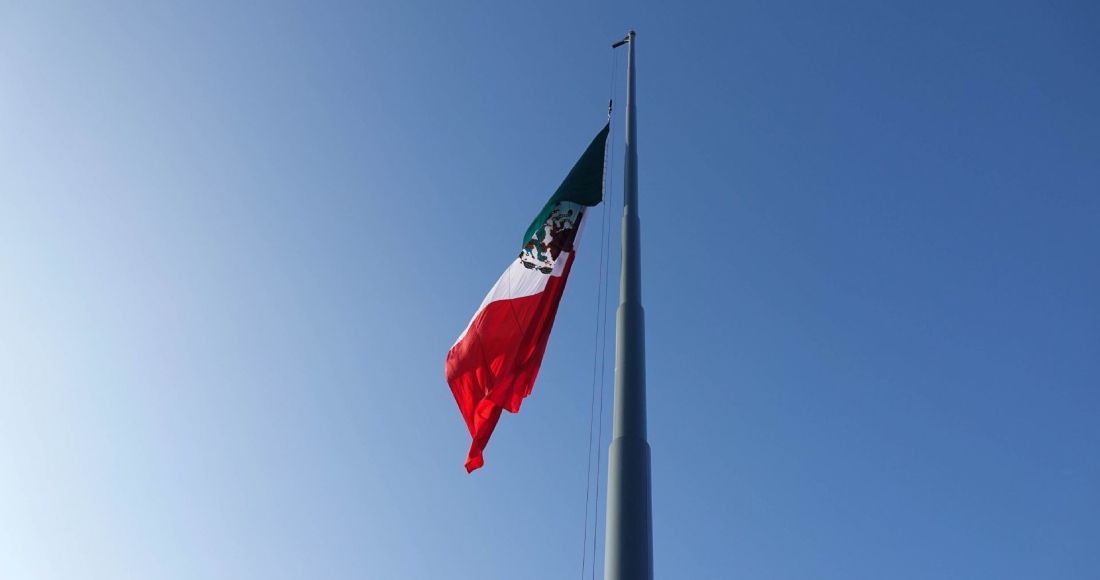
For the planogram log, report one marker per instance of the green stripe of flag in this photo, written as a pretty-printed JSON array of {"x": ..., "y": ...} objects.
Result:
[{"x": 583, "y": 185}]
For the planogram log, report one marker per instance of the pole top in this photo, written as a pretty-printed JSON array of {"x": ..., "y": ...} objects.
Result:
[{"x": 629, "y": 36}]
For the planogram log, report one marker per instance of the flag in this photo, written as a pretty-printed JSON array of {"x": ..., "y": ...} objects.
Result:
[{"x": 494, "y": 363}]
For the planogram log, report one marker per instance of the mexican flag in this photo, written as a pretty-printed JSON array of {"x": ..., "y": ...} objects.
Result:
[{"x": 494, "y": 363}]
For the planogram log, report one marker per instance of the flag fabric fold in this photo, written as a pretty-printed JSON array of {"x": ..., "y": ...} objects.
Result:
[{"x": 493, "y": 364}]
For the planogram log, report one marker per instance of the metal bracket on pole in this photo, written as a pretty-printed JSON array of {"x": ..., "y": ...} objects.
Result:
[{"x": 623, "y": 41}]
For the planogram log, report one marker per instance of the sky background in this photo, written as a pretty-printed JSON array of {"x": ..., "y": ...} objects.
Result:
[{"x": 238, "y": 238}]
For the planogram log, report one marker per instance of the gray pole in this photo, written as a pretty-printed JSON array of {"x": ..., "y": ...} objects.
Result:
[{"x": 628, "y": 549}]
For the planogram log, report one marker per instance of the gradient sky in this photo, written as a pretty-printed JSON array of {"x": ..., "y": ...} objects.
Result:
[{"x": 238, "y": 238}]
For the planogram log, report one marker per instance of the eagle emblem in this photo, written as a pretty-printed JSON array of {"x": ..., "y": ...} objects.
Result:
[{"x": 549, "y": 241}]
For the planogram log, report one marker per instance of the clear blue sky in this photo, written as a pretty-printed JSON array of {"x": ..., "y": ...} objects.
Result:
[{"x": 238, "y": 238}]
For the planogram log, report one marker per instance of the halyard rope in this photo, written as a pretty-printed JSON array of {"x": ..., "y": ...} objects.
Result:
[{"x": 599, "y": 351}]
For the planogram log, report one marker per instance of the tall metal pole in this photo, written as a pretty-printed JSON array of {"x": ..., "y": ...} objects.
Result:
[{"x": 628, "y": 550}]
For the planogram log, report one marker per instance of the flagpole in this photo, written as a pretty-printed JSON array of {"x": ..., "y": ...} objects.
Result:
[{"x": 628, "y": 549}]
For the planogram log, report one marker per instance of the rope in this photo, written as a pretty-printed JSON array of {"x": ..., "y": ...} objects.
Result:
[
  {"x": 603, "y": 354},
  {"x": 599, "y": 351}
]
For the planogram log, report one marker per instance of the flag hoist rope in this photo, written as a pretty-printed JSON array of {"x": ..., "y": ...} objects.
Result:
[{"x": 599, "y": 350}]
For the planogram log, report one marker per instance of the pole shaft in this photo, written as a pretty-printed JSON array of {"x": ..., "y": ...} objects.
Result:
[{"x": 628, "y": 549}]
